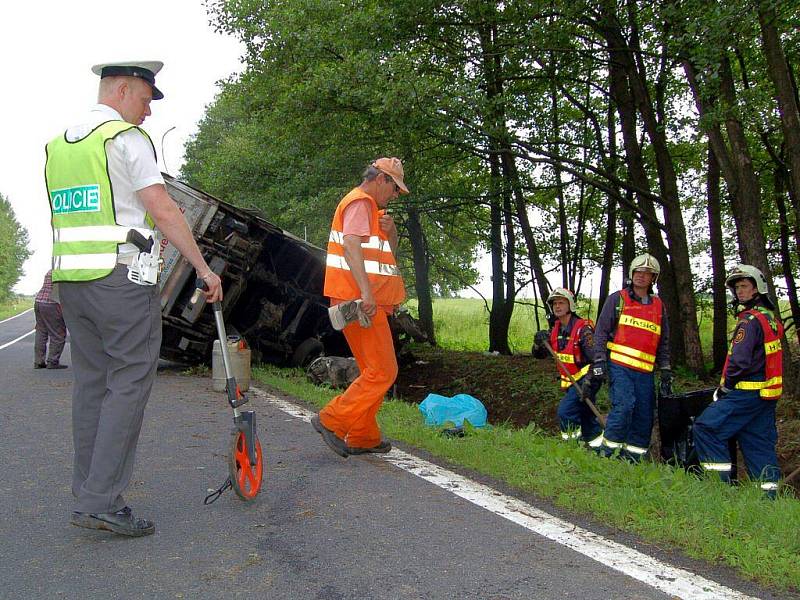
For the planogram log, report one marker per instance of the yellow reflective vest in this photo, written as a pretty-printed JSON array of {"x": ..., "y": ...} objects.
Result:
[{"x": 85, "y": 230}]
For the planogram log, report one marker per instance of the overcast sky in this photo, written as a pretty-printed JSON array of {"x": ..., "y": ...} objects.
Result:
[{"x": 47, "y": 51}]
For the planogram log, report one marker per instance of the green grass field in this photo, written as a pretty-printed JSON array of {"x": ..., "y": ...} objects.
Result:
[
  {"x": 463, "y": 324},
  {"x": 14, "y": 306}
]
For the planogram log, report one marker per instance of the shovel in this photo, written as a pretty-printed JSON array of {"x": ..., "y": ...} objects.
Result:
[{"x": 578, "y": 388}]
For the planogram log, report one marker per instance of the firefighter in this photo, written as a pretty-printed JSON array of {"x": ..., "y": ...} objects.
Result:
[
  {"x": 751, "y": 384},
  {"x": 361, "y": 265},
  {"x": 633, "y": 327},
  {"x": 572, "y": 338}
]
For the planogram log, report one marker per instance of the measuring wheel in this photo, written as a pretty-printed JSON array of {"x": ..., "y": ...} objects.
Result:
[
  {"x": 245, "y": 476},
  {"x": 245, "y": 465}
]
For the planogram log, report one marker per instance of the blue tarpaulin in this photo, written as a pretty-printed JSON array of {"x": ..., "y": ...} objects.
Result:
[{"x": 439, "y": 410}]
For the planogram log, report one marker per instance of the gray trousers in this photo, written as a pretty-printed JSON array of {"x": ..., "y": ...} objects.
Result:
[
  {"x": 115, "y": 329},
  {"x": 49, "y": 327}
]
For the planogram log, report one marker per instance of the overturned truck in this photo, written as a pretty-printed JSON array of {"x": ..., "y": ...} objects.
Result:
[{"x": 272, "y": 281}]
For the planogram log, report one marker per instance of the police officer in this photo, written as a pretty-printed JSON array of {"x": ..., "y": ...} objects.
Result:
[
  {"x": 572, "y": 339},
  {"x": 633, "y": 327},
  {"x": 103, "y": 181},
  {"x": 751, "y": 384}
]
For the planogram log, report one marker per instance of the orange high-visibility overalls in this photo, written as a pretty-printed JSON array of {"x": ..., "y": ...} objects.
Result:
[{"x": 351, "y": 415}]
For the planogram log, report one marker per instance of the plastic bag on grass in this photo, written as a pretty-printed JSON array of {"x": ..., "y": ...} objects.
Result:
[{"x": 439, "y": 410}]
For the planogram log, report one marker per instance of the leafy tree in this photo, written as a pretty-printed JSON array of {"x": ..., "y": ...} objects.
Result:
[
  {"x": 554, "y": 134},
  {"x": 13, "y": 248}
]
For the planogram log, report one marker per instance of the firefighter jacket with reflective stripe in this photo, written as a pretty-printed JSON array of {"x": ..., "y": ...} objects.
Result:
[
  {"x": 85, "y": 231},
  {"x": 379, "y": 262},
  {"x": 768, "y": 376},
  {"x": 638, "y": 333},
  {"x": 570, "y": 355}
]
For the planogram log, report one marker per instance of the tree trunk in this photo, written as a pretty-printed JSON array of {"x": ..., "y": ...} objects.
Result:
[
  {"x": 786, "y": 254},
  {"x": 422, "y": 284},
  {"x": 628, "y": 242},
  {"x": 562, "y": 211},
  {"x": 494, "y": 124},
  {"x": 720, "y": 312},
  {"x": 511, "y": 259},
  {"x": 535, "y": 264},
  {"x": 705, "y": 103},
  {"x": 778, "y": 70},
  {"x": 686, "y": 323},
  {"x": 608, "y": 253},
  {"x": 736, "y": 166},
  {"x": 795, "y": 204},
  {"x": 746, "y": 205},
  {"x": 498, "y": 341},
  {"x": 610, "y": 242},
  {"x": 621, "y": 93}
]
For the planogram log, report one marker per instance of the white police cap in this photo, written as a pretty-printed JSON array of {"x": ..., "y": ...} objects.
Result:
[{"x": 143, "y": 69}]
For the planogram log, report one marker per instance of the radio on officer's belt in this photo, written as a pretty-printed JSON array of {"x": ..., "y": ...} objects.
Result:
[{"x": 145, "y": 267}]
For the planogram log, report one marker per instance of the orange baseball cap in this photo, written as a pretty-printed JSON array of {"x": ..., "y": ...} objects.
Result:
[{"x": 393, "y": 167}]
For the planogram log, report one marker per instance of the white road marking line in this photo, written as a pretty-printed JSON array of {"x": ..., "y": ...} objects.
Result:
[
  {"x": 18, "y": 339},
  {"x": 15, "y": 316},
  {"x": 671, "y": 580}
]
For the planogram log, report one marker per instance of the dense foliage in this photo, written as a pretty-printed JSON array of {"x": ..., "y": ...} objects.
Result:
[
  {"x": 556, "y": 136},
  {"x": 13, "y": 248}
]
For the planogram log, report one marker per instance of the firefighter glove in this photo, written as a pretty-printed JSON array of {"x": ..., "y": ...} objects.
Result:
[
  {"x": 720, "y": 393},
  {"x": 598, "y": 372},
  {"x": 541, "y": 338}
]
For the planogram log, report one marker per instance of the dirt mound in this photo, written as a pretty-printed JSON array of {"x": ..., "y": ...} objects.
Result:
[{"x": 515, "y": 389}]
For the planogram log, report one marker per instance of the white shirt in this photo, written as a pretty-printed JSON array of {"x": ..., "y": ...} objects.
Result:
[{"x": 131, "y": 167}]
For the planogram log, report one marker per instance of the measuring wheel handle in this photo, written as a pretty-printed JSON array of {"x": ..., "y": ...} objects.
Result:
[{"x": 236, "y": 397}]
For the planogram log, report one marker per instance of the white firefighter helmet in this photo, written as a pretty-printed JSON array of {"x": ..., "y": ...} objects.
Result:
[
  {"x": 645, "y": 262},
  {"x": 562, "y": 293},
  {"x": 746, "y": 272}
]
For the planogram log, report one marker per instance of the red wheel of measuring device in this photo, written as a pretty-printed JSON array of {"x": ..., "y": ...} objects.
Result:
[{"x": 245, "y": 477}]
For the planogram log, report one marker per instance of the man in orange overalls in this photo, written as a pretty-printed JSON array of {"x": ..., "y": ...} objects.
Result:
[{"x": 361, "y": 265}]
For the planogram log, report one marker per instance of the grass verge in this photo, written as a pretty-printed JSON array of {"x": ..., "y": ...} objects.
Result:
[
  {"x": 14, "y": 306},
  {"x": 708, "y": 520}
]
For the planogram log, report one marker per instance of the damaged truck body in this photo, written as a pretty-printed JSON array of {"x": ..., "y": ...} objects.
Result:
[{"x": 272, "y": 280}]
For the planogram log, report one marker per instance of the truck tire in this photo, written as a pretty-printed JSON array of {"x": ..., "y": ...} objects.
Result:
[{"x": 308, "y": 350}]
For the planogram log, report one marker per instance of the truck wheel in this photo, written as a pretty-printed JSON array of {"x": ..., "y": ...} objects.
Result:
[{"x": 308, "y": 350}]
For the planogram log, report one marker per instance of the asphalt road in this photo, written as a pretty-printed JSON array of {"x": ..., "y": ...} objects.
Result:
[{"x": 322, "y": 527}]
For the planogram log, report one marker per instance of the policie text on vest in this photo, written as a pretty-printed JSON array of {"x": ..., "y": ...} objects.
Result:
[{"x": 82, "y": 198}]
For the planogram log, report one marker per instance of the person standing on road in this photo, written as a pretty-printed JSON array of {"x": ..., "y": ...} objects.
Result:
[
  {"x": 572, "y": 339},
  {"x": 361, "y": 265},
  {"x": 633, "y": 327},
  {"x": 103, "y": 181},
  {"x": 750, "y": 387},
  {"x": 50, "y": 327}
]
